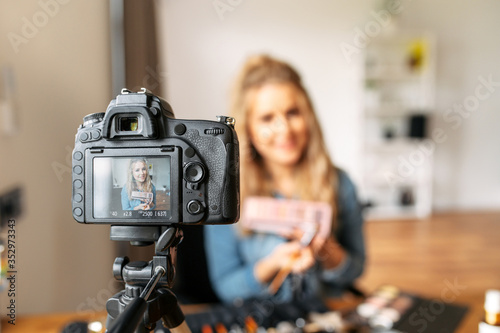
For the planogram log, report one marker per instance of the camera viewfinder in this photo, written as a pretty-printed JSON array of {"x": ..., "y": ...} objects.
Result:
[{"x": 129, "y": 124}]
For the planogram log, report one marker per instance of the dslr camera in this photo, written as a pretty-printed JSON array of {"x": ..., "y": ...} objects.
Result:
[{"x": 136, "y": 165}]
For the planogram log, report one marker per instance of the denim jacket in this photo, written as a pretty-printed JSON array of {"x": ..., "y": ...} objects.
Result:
[
  {"x": 129, "y": 204},
  {"x": 231, "y": 257}
]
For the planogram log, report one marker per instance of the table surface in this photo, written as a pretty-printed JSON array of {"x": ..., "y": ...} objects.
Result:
[
  {"x": 417, "y": 256},
  {"x": 54, "y": 323},
  {"x": 49, "y": 323}
]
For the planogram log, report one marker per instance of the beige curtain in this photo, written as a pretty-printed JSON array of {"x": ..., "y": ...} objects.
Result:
[{"x": 141, "y": 50}]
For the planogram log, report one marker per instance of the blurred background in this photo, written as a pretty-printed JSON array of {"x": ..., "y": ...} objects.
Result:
[{"x": 408, "y": 93}]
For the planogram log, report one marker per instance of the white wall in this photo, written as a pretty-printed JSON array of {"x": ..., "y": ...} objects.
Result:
[
  {"x": 203, "y": 53},
  {"x": 203, "y": 49},
  {"x": 467, "y": 164},
  {"x": 62, "y": 73}
]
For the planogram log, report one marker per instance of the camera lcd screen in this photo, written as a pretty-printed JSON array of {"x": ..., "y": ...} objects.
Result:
[{"x": 131, "y": 187}]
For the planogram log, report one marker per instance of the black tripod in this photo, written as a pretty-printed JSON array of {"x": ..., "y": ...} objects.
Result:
[{"x": 146, "y": 298}]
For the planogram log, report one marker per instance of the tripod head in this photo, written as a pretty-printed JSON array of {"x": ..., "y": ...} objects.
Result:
[
  {"x": 145, "y": 298},
  {"x": 163, "y": 236},
  {"x": 165, "y": 239}
]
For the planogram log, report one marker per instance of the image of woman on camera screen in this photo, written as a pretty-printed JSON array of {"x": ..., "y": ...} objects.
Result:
[
  {"x": 139, "y": 193},
  {"x": 283, "y": 155}
]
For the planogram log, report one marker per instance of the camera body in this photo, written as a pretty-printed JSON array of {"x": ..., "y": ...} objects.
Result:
[{"x": 136, "y": 165}]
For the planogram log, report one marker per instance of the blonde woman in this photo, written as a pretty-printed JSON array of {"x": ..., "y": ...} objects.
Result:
[
  {"x": 138, "y": 180},
  {"x": 283, "y": 155}
]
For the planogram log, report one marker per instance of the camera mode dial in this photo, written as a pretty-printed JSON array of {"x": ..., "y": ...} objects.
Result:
[{"x": 93, "y": 118}]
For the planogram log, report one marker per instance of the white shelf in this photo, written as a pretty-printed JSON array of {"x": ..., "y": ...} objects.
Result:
[
  {"x": 392, "y": 76},
  {"x": 394, "y": 145},
  {"x": 399, "y": 81},
  {"x": 393, "y": 110}
]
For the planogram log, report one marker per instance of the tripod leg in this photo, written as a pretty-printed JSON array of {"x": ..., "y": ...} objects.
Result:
[
  {"x": 182, "y": 328},
  {"x": 164, "y": 305}
]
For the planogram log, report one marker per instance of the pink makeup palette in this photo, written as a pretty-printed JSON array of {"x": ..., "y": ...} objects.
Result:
[{"x": 283, "y": 216}]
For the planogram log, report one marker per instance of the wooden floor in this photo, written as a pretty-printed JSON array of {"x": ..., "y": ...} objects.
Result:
[{"x": 451, "y": 258}]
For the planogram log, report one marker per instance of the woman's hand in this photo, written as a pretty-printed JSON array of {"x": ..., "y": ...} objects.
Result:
[
  {"x": 290, "y": 255},
  {"x": 327, "y": 252},
  {"x": 293, "y": 255},
  {"x": 141, "y": 207}
]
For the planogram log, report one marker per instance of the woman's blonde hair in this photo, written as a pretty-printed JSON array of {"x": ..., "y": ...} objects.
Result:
[
  {"x": 316, "y": 176},
  {"x": 132, "y": 183}
]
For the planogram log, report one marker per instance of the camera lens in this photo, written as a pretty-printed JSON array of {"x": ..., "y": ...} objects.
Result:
[{"x": 194, "y": 172}]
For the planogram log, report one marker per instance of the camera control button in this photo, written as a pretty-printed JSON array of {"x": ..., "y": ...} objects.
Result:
[
  {"x": 194, "y": 172},
  {"x": 78, "y": 156},
  {"x": 194, "y": 207},
  {"x": 84, "y": 136},
  {"x": 189, "y": 152},
  {"x": 78, "y": 198},
  {"x": 78, "y": 212},
  {"x": 180, "y": 129},
  {"x": 96, "y": 134},
  {"x": 155, "y": 111},
  {"x": 78, "y": 170}
]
